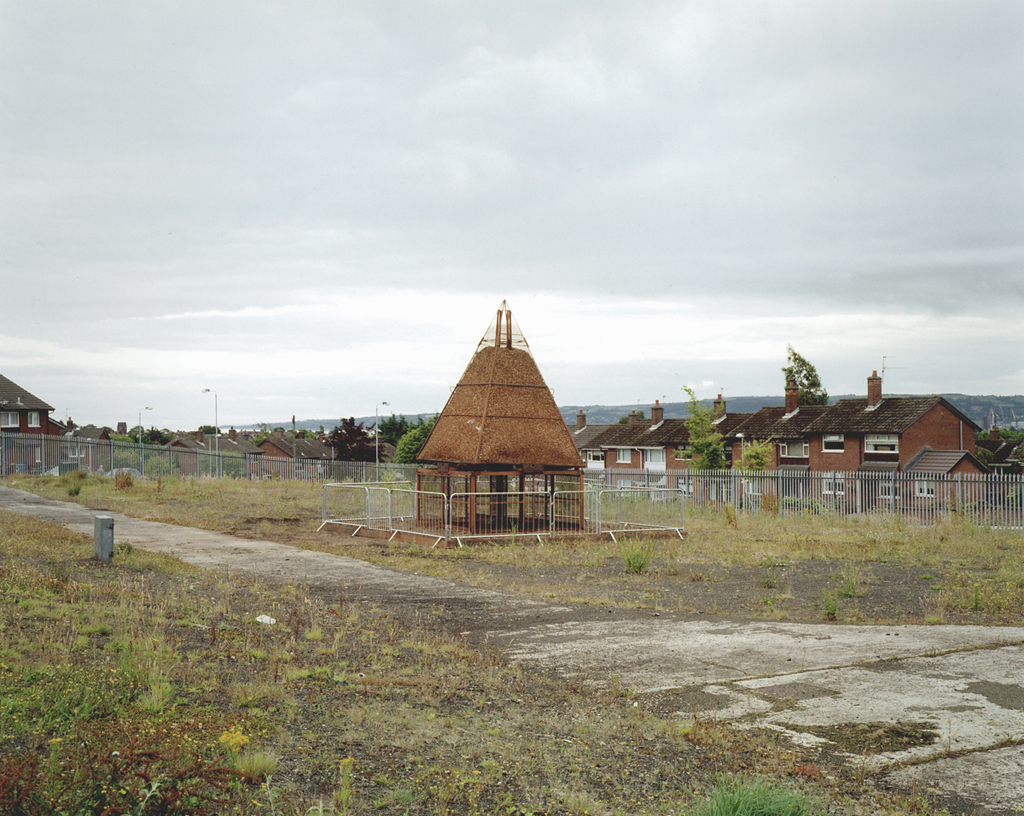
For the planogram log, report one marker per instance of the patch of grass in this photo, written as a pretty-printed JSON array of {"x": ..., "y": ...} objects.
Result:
[
  {"x": 637, "y": 554},
  {"x": 736, "y": 796}
]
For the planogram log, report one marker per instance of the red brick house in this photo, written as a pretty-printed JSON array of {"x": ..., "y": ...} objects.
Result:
[
  {"x": 24, "y": 416},
  {"x": 872, "y": 434},
  {"x": 22, "y": 412},
  {"x": 195, "y": 454},
  {"x": 295, "y": 456}
]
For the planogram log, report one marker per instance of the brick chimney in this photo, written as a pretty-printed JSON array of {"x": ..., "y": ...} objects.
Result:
[
  {"x": 581, "y": 420},
  {"x": 874, "y": 389},
  {"x": 633, "y": 418},
  {"x": 719, "y": 407},
  {"x": 993, "y": 432},
  {"x": 657, "y": 413},
  {"x": 232, "y": 433},
  {"x": 792, "y": 397},
  {"x": 278, "y": 433},
  {"x": 199, "y": 435},
  {"x": 122, "y": 428}
]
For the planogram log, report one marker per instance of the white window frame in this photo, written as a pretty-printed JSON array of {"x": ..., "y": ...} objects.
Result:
[
  {"x": 873, "y": 441},
  {"x": 887, "y": 489},
  {"x": 33, "y": 419},
  {"x": 784, "y": 449},
  {"x": 595, "y": 456},
  {"x": 624, "y": 456},
  {"x": 656, "y": 456},
  {"x": 833, "y": 438},
  {"x": 833, "y": 484},
  {"x": 924, "y": 488},
  {"x": 9, "y": 419}
]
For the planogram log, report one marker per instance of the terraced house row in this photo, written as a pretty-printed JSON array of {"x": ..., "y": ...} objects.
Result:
[{"x": 875, "y": 433}]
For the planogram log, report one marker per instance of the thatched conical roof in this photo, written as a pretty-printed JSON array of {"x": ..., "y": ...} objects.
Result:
[{"x": 501, "y": 412}]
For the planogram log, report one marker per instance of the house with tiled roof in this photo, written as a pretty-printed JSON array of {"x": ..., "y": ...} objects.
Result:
[
  {"x": 1000, "y": 455},
  {"x": 196, "y": 454},
  {"x": 875, "y": 433},
  {"x": 785, "y": 426},
  {"x": 21, "y": 411},
  {"x": 25, "y": 415},
  {"x": 294, "y": 456},
  {"x": 586, "y": 437}
]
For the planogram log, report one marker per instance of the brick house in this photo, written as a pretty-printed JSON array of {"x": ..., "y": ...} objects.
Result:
[
  {"x": 22, "y": 412},
  {"x": 656, "y": 445},
  {"x": 876, "y": 433},
  {"x": 293, "y": 456},
  {"x": 24, "y": 416},
  {"x": 585, "y": 437},
  {"x": 194, "y": 454}
]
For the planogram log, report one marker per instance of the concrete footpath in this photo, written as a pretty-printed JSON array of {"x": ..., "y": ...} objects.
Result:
[{"x": 966, "y": 681}]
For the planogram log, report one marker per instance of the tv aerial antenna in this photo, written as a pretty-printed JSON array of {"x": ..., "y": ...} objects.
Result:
[{"x": 884, "y": 366}]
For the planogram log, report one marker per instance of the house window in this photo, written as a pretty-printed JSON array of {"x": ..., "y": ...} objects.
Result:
[
  {"x": 887, "y": 490},
  {"x": 794, "y": 449},
  {"x": 656, "y": 457},
  {"x": 595, "y": 457},
  {"x": 881, "y": 443},
  {"x": 8, "y": 419},
  {"x": 624, "y": 455},
  {"x": 924, "y": 488},
  {"x": 832, "y": 485},
  {"x": 684, "y": 452},
  {"x": 33, "y": 419},
  {"x": 832, "y": 442}
]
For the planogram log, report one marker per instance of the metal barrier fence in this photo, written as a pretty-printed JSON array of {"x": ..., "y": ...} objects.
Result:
[
  {"x": 490, "y": 515},
  {"x": 990, "y": 499}
]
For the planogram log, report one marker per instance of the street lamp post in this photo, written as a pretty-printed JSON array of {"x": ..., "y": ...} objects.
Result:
[
  {"x": 142, "y": 453},
  {"x": 216, "y": 428},
  {"x": 376, "y": 441}
]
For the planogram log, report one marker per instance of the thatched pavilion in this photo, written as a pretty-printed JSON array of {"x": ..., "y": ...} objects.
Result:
[{"x": 500, "y": 448}]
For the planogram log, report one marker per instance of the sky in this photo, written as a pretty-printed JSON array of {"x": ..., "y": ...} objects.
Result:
[{"x": 314, "y": 208}]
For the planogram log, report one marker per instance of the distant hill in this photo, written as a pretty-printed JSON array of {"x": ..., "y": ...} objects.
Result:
[{"x": 1008, "y": 412}]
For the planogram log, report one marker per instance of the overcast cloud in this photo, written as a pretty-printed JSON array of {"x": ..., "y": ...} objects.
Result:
[{"x": 316, "y": 207}]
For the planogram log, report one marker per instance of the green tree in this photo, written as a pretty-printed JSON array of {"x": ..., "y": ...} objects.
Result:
[
  {"x": 757, "y": 454},
  {"x": 705, "y": 441},
  {"x": 801, "y": 372},
  {"x": 412, "y": 442},
  {"x": 393, "y": 428}
]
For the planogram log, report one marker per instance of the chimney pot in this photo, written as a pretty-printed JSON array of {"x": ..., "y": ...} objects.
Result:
[{"x": 792, "y": 397}]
